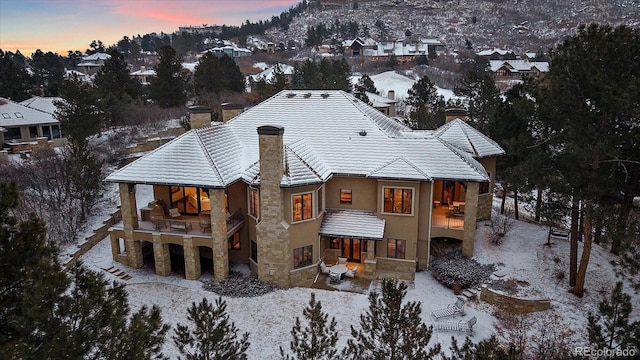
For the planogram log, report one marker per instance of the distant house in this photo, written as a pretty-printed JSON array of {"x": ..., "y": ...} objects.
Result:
[
  {"x": 303, "y": 176},
  {"x": 498, "y": 54},
  {"x": 29, "y": 124},
  {"x": 77, "y": 74},
  {"x": 405, "y": 50},
  {"x": 268, "y": 74},
  {"x": 357, "y": 46},
  {"x": 506, "y": 70},
  {"x": 91, "y": 63},
  {"x": 143, "y": 75},
  {"x": 386, "y": 105},
  {"x": 229, "y": 50}
]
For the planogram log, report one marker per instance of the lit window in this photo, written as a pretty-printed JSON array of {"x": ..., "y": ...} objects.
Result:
[
  {"x": 398, "y": 200},
  {"x": 302, "y": 207},
  {"x": 335, "y": 243},
  {"x": 302, "y": 256},
  {"x": 234, "y": 241},
  {"x": 345, "y": 196},
  {"x": 254, "y": 203},
  {"x": 396, "y": 248}
]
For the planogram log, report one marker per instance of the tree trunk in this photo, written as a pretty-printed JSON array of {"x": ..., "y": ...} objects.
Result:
[
  {"x": 573, "y": 252},
  {"x": 578, "y": 289},
  {"x": 515, "y": 205},
  {"x": 597, "y": 236},
  {"x": 538, "y": 204},
  {"x": 504, "y": 200}
]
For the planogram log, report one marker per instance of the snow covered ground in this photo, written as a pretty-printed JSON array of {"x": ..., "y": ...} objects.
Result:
[
  {"x": 269, "y": 318},
  {"x": 391, "y": 80}
]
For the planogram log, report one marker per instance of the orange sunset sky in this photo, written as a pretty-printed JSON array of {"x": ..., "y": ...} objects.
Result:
[{"x": 62, "y": 25}]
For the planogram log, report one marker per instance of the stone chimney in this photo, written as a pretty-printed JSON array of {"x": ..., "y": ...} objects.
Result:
[
  {"x": 455, "y": 113},
  {"x": 229, "y": 111},
  {"x": 391, "y": 94},
  {"x": 199, "y": 116},
  {"x": 272, "y": 237}
]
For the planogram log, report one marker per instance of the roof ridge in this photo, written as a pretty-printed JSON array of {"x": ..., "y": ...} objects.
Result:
[
  {"x": 410, "y": 163},
  {"x": 301, "y": 159},
  {"x": 207, "y": 154},
  {"x": 462, "y": 156},
  {"x": 466, "y": 135}
]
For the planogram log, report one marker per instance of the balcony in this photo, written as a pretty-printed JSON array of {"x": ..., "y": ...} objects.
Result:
[{"x": 447, "y": 222}]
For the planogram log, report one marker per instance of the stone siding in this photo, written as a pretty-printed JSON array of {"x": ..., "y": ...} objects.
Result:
[
  {"x": 471, "y": 205},
  {"x": 304, "y": 276},
  {"x": 395, "y": 268},
  {"x": 485, "y": 201},
  {"x": 514, "y": 304}
]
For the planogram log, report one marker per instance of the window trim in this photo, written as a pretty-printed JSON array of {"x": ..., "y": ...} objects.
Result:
[
  {"x": 320, "y": 200},
  {"x": 251, "y": 191},
  {"x": 312, "y": 217},
  {"x": 396, "y": 248},
  {"x": 302, "y": 263},
  {"x": 413, "y": 195},
  {"x": 346, "y": 191},
  {"x": 253, "y": 245}
]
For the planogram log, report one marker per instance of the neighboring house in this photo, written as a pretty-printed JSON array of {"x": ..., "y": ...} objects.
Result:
[
  {"x": 229, "y": 50},
  {"x": 91, "y": 63},
  {"x": 268, "y": 74},
  {"x": 498, "y": 54},
  {"x": 143, "y": 75},
  {"x": 357, "y": 46},
  {"x": 506, "y": 70},
  {"x": 386, "y": 105},
  {"x": 29, "y": 124},
  {"x": 405, "y": 50},
  {"x": 303, "y": 176},
  {"x": 69, "y": 74}
]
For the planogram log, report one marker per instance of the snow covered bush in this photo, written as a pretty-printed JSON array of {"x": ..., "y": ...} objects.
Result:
[
  {"x": 239, "y": 285},
  {"x": 500, "y": 224},
  {"x": 456, "y": 270}
]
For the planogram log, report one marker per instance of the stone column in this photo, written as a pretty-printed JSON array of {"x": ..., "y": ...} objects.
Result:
[
  {"x": 129, "y": 213},
  {"x": 191, "y": 259},
  {"x": 219, "y": 234},
  {"x": 274, "y": 252},
  {"x": 470, "y": 213},
  {"x": 161, "y": 255},
  {"x": 115, "y": 246},
  {"x": 371, "y": 249}
]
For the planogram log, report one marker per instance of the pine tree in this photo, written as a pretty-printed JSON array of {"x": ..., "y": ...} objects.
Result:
[
  {"x": 116, "y": 88},
  {"x": 48, "y": 315},
  {"x": 427, "y": 107},
  {"x": 477, "y": 84},
  {"x": 364, "y": 85},
  {"x": 15, "y": 82},
  {"x": 168, "y": 87},
  {"x": 317, "y": 340},
  {"x": 486, "y": 349},
  {"x": 389, "y": 330},
  {"x": 610, "y": 327},
  {"x": 213, "y": 336}
]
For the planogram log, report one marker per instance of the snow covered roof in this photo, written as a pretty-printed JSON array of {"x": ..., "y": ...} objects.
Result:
[
  {"x": 358, "y": 224},
  {"x": 143, "y": 72},
  {"x": 13, "y": 114},
  {"x": 493, "y": 51},
  {"x": 326, "y": 133},
  {"x": 466, "y": 138},
  {"x": 268, "y": 74},
  {"x": 379, "y": 101},
  {"x": 97, "y": 57},
  {"x": 519, "y": 65},
  {"x": 42, "y": 103}
]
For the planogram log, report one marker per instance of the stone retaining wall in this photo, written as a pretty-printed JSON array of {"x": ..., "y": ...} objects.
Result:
[
  {"x": 395, "y": 268},
  {"x": 98, "y": 234},
  {"x": 514, "y": 304}
]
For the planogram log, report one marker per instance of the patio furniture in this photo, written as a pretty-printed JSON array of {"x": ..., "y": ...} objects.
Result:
[
  {"x": 451, "y": 310},
  {"x": 351, "y": 272},
  {"x": 338, "y": 270},
  {"x": 461, "y": 325},
  {"x": 342, "y": 261},
  {"x": 174, "y": 213},
  {"x": 205, "y": 223},
  {"x": 334, "y": 277},
  {"x": 324, "y": 268},
  {"x": 180, "y": 225}
]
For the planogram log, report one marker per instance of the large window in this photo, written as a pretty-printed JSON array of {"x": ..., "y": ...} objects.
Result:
[
  {"x": 254, "y": 251},
  {"x": 484, "y": 187},
  {"x": 190, "y": 200},
  {"x": 234, "y": 241},
  {"x": 302, "y": 256},
  {"x": 254, "y": 203},
  {"x": 55, "y": 131},
  {"x": 396, "y": 248},
  {"x": 13, "y": 134},
  {"x": 345, "y": 196},
  {"x": 398, "y": 200},
  {"x": 33, "y": 132},
  {"x": 302, "y": 207}
]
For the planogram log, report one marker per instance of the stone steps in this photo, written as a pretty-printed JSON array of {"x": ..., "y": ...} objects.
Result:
[{"x": 117, "y": 272}]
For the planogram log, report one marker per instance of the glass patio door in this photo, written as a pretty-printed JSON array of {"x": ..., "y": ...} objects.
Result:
[{"x": 351, "y": 249}]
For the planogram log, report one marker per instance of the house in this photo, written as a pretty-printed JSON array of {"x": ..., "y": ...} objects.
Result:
[
  {"x": 29, "y": 124},
  {"x": 405, "y": 50},
  {"x": 505, "y": 70},
  {"x": 229, "y": 50},
  {"x": 303, "y": 176},
  {"x": 386, "y": 105},
  {"x": 91, "y": 63},
  {"x": 357, "y": 46},
  {"x": 498, "y": 54},
  {"x": 269, "y": 74},
  {"x": 143, "y": 75}
]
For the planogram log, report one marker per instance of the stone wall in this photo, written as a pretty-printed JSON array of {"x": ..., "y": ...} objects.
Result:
[
  {"x": 303, "y": 277},
  {"x": 514, "y": 304},
  {"x": 471, "y": 205},
  {"x": 98, "y": 234},
  {"x": 395, "y": 268},
  {"x": 485, "y": 201}
]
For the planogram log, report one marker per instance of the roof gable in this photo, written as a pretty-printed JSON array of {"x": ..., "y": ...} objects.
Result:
[{"x": 468, "y": 139}]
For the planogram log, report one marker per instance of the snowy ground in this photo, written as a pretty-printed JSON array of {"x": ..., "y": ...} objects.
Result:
[{"x": 269, "y": 318}]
